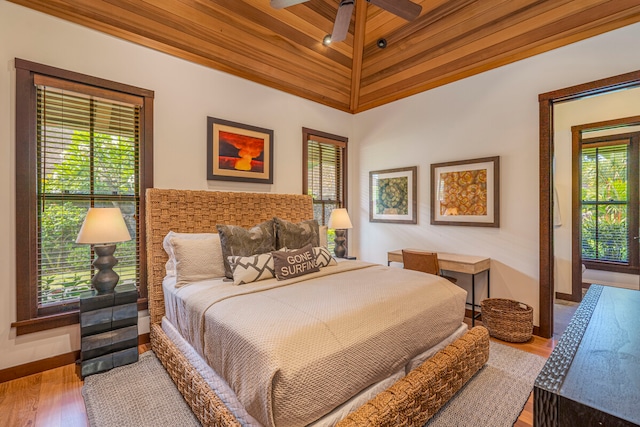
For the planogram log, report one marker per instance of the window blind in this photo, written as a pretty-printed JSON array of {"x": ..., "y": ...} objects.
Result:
[
  {"x": 88, "y": 154},
  {"x": 325, "y": 177},
  {"x": 605, "y": 203}
]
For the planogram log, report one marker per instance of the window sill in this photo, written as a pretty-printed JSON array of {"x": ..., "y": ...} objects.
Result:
[
  {"x": 44, "y": 323},
  {"x": 53, "y": 321},
  {"x": 611, "y": 266}
]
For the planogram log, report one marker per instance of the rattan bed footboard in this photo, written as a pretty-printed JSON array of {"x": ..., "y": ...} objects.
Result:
[{"x": 412, "y": 400}]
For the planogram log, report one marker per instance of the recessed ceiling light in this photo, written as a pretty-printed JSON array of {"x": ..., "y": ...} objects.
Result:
[{"x": 326, "y": 40}]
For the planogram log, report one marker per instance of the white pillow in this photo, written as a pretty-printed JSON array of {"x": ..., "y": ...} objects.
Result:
[
  {"x": 195, "y": 259},
  {"x": 247, "y": 269},
  {"x": 216, "y": 255},
  {"x": 322, "y": 230}
]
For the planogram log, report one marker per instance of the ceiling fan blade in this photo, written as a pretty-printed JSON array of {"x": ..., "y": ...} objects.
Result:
[
  {"x": 403, "y": 8},
  {"x": 343, "y": 19},
  {"x": 281, "y": 4}
]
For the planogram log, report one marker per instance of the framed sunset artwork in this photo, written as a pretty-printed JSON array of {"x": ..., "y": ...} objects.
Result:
[
  {"x": 239, "y": 152},
  {"x": 466, "y": 192}
]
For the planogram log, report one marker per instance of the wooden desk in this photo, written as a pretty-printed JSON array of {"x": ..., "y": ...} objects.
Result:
[
  {"x": 468, "y": 264},
  {"x": 592, "y": 377}
]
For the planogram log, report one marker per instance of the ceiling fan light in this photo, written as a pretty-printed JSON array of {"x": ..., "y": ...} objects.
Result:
[{"x": 326, "y": 40}]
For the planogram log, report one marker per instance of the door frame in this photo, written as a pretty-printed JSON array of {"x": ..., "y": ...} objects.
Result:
[{"x": 546, "y": 102}]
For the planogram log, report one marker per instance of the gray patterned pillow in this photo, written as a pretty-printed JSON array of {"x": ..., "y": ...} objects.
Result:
[
  {"x": 294, "y": 263},
  {"x": 296, "y": 236},
  {"x": 247, "y": 269},
  {"x": 239, "y": 241}
]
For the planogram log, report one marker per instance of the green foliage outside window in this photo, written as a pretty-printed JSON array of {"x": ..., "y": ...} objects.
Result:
[
  {"x": 605, "y": 204},
  {"x": 67, "y": 179}
]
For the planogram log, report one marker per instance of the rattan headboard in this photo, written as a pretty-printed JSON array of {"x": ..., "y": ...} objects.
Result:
[{"x": 188, "y": 211}]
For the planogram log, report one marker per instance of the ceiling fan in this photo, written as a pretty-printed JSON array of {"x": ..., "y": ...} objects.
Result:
[{"x": 405, "y": 9}]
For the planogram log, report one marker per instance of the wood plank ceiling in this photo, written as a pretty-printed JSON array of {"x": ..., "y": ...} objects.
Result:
[{"x": 283, "y": 49}]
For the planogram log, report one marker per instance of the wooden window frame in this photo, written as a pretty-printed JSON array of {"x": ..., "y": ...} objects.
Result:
[
  {"x": 28, "y": 320},
  {"x": 327, "y": 138},
  {"x": 632, "y": 267}
]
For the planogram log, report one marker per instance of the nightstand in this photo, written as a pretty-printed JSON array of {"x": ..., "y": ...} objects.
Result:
[{"x": 108, "y": 329}]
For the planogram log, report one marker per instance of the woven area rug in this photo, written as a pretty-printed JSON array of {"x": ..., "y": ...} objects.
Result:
[{"x": 142, "y": 394}]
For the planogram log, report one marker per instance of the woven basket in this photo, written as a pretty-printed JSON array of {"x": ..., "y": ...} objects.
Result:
[{"x": 507, "y": 320}]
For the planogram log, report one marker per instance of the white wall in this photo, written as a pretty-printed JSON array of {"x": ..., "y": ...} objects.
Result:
[
  {"x": 491, "y": 114},
  {"x": 185, "y": 94},
  {"x": 609, "y": 106}
]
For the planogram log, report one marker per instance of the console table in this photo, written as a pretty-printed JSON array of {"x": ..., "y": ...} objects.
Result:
[
  {"x": 468, "y": 264},
  {"x": 592, "y": 377}
]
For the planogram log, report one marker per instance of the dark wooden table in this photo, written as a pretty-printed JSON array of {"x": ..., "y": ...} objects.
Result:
[
  {"x": 592, "y": 377},
  {"x": 108, "y": 329}
]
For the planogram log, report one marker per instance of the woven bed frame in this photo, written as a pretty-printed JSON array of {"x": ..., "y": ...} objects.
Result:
[{"x": 411, "y": 401}]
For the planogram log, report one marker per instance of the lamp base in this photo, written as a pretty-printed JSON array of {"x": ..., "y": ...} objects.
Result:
[
  {"x": 341, "y": 249},
  {"x": 105, "y": 280}
]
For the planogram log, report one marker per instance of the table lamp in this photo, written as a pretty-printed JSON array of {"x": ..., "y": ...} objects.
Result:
[
  {"x": 340, "y": 222},
  {"x": 103, "y": 228}
]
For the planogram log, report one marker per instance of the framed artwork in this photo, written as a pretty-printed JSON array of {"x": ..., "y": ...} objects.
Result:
[
  {"x": 466, "y": 192},
  {"x": 238, "y": 152},
  {"x": 393, "y": 195}
]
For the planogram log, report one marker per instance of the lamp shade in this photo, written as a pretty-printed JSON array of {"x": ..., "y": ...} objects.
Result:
[
  {"x": 103, "y": 225},
  {"x": 339, "y": 219}
]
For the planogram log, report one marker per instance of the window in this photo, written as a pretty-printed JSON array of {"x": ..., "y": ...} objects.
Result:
[
  {"x": 325, "y": 174},
  {"x": 609, "y": 202},
  {"x": 80, "y": 142}
]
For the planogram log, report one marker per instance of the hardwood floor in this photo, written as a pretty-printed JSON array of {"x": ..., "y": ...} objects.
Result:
[
  {"x": 49, "y": 399},
  {"x": 53, "y": 398}
]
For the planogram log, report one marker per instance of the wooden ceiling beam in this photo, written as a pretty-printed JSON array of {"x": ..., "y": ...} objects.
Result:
[{"x": 358, "y": 46}]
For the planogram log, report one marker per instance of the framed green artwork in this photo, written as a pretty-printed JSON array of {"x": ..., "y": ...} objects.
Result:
[{"x": 394, "y": 195}]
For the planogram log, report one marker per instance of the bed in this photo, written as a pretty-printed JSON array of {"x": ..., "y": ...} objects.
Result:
[{"x": 396, "y": 389}]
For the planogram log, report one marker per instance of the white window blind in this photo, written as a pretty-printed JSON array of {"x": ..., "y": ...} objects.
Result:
[{"x": 88, "y": 154}]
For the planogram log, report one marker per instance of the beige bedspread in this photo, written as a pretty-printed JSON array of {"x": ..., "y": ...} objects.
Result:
[{"x": 293, "y": 350}]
